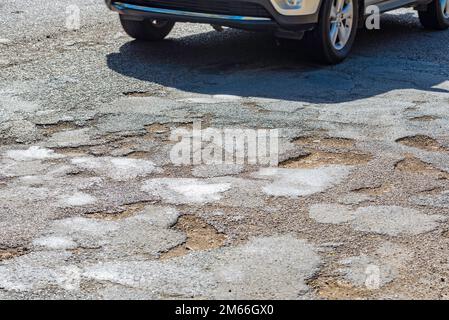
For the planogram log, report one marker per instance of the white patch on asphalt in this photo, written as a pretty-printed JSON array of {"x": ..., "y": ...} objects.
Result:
[
  {"x": 23, "y": 194},
  {"x": 78, "y": 199},
  {"x": 83, "y": 226},
  {"x": 70, "y": 138},
  {"x": 366, "y": 271},
  {"x": 34, "y": 271},
  {"x": 375, "y": 270},
  {"x": 185, "y": 190},
  {"x": 274, "y": 267},
  {"x": 33, "y": 153},
  {"x": 440, "y": 200},
  {"x": 163, "y": 217},
  {"x": 390, "y": 220},
  {"x": 120, "y": 169},
  {"x": 55, "y": 243},
  {"x": 301, "y": 182},
  {"x": 11, "y": 103},
  {"x": 137, "y": 237},
  {"x": 146, "y": 233}
]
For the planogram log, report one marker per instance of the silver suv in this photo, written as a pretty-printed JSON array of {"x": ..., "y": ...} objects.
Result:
[{"x": 328, "y": 27}]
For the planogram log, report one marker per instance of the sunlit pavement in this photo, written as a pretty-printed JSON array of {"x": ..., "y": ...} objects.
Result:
[{"x": 92, "y": 205}]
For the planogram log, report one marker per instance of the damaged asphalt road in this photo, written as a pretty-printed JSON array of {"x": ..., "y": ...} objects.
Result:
[{"x": 92, "y": 207}]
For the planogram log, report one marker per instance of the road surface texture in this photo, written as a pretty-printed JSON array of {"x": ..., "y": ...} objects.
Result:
[{"x": 92, "y": 207}]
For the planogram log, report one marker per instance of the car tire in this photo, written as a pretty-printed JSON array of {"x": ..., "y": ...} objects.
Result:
[
  {"x": 436, "y": 15},
  {"x": 146, "y": 30},
  {"x": 320, "y": 45}
]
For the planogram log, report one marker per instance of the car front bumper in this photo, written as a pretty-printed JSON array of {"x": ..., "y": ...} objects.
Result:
[{"x": 302, "y": 18}]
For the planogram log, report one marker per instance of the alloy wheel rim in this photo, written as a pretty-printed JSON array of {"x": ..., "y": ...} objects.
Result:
[{"x": 341, "y": 22}]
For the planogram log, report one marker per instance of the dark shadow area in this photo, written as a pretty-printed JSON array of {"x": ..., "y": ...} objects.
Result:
[{"x": 401, "y": 55}]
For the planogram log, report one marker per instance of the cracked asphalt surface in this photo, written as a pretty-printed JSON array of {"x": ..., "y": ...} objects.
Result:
[{"x": 91, "y": 206}]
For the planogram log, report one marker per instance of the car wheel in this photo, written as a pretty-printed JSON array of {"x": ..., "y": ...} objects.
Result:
[
  {"x": 332, "y": 39},
  {"x": 436, "y": 15},
  {"x": 146, "y": 30}
]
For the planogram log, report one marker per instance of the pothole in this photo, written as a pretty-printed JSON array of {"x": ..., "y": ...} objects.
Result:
[
  {"x": 421, "y": 142},
  {"x": 252, "y": 105},
  {"x": 200, "y": 236},
  {"x": 137, "y": 94},
  {"x": 424, "y": 118},
  {"x": 432, "y": 190},
  {"x": 144, "y": 155},
  {"x": 376, "y": 190},
  {"x": 328, "y": 142},
  {"x": 10, "y": 253},
  {"x": 73, "y": 151},
  {"x": 335, "y": 289},
  {"x": 320, "y": 158},
  {"x": 157, "y": 128},
  {"x": 130, "y": 211},
  {"x": 158, "y": 131},
  {"x": 50, "y": 129},
  {"x": 412, "y": 164}
]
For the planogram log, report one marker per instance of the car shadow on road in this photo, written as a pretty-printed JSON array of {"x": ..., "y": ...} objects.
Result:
[{"x": 401, "y": 55}]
